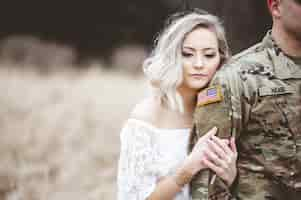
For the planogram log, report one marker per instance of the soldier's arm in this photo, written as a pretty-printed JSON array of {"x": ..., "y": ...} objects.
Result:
[{"x": 224, "y": 112}]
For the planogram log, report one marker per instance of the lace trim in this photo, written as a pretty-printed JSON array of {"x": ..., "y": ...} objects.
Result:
[
  {"x": 141, "y": 164},
  {"x": 137, "y": 174}
]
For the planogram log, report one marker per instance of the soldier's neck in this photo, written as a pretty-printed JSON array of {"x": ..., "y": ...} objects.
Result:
[{"x": 289, "y": 44}]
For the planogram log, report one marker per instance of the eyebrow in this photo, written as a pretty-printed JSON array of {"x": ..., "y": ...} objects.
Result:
[{"x": 193, "y": 49}]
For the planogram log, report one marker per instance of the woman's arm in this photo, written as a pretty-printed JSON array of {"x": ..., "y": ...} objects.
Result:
[
  {"x": 168, "y": 187},
  {"x": 209, "y": 152},
  {"x": 136, "y": 177}
]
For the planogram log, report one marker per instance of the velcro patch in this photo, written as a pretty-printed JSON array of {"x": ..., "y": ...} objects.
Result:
[
  {"x": 270, "y": 91},
  {"x": 210, "y": 95}
]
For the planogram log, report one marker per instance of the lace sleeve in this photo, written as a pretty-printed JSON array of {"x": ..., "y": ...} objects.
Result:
[{"x": 137, "y": 174}]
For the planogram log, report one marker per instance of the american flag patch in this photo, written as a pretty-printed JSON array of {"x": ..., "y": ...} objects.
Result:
[
  {"x": 212, "y": 92},
  {"x": 210, "y": 95}
]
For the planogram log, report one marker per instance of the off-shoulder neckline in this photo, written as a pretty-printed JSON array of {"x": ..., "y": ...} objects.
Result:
[{"x": 153, "y": 127}]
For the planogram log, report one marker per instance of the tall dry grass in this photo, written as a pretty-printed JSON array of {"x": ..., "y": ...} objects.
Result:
[{"x": 59, "y": 134}]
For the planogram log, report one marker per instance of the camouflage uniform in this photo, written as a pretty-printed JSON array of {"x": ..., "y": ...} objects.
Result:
[{"x": 261, "y": 107}]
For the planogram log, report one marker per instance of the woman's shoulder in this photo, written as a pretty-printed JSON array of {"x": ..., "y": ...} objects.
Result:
[
  {"x": 142, "y": 120},
  {"x": 148, "y": 110}
]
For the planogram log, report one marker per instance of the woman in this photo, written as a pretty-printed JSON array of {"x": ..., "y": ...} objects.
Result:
[{"x": 154, "y": 161}]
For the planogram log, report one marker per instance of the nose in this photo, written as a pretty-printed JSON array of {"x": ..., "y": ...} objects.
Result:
[{"x": 199, "y": 62}]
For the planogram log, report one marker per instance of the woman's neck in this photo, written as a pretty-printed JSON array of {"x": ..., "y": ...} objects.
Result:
[{"x": 189, "y": 100}]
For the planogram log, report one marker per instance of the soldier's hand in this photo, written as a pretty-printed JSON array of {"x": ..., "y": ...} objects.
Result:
[
  {"x": 194, "y": 162},
  {"x": 221, "y": 158}
]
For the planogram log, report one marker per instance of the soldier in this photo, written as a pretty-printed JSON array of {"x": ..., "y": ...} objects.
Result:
[{"x": 256, "y": 98}]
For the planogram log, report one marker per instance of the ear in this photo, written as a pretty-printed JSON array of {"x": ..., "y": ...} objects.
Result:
[{"x": 274, "y": 7}]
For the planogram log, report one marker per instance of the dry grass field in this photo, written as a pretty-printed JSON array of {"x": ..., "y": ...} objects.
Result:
[{"x": 59, "y": 133}]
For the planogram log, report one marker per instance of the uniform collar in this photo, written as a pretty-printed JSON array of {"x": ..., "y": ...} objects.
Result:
[{"x": 284, "y": 67}]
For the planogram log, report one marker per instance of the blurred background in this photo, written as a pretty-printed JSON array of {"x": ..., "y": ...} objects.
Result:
[{"x": 70, "y": 72}]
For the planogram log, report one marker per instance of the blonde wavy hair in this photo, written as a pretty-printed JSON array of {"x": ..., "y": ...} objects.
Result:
[{"x": 163, "y": 67}]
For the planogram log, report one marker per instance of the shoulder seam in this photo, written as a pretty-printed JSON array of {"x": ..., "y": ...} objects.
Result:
[{"x": 246, "y": 52}]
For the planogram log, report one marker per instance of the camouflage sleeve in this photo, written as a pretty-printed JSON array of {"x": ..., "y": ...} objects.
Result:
[{"x": 224, "y": 113}]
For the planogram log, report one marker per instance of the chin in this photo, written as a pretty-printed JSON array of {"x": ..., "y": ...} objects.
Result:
[{"x": 199, "y": 86}]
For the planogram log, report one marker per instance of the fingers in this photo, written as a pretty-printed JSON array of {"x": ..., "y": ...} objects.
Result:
[
  {"x": 217, "y": 149},
  {"x": 220, "y": 154},
  {"x": 224, "y": 168},
  {"x": 221, "y": 144},
  {"x": 211, "y": 132},
  {"x": 218, "y": 170},
  {"x": 207, "y": 136},
  {"x": 233, "y": 145}
]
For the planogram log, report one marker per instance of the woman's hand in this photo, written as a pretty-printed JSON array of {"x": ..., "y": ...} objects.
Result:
[
  {"x": 213, "y": 153},
  {"x": 221, "y": 158},
  {"x": 194, "y": 162}
]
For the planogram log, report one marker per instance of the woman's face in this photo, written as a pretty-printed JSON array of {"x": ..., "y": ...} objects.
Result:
[{"x": 201, "y": 58}]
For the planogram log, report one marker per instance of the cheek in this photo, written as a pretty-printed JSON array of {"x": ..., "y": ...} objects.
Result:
[
  {"x": 211, "y": 74},
  {"x": 214, "y": 67},
  {"x": 186, "y": 63},
  {"x": 187, "y": 67},
  {"x": 185, "y": 71}
]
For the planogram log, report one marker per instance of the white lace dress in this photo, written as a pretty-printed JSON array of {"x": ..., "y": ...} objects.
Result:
[{"x": 147, "y": 154}]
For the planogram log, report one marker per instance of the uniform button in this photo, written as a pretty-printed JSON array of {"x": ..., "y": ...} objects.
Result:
[{"x": 292, "y": 173}]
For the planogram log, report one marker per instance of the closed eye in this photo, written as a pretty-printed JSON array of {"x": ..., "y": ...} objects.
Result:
[
  {"x": 186, "y": 54},
  {"x": 210, "y": 55}
]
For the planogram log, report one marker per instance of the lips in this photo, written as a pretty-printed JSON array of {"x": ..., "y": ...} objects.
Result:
[{"x": 199, "y": 75}]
